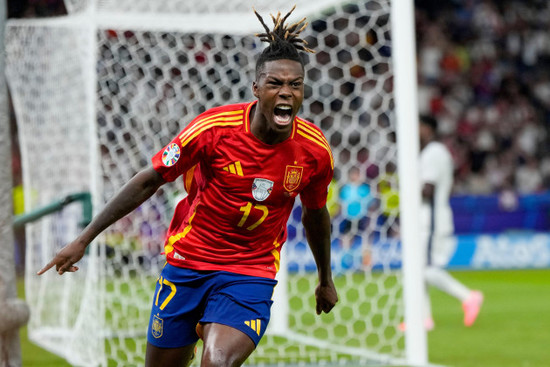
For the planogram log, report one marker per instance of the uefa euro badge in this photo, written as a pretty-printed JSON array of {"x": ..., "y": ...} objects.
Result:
[
  {"x": 293, "y": 177},
  {"x": 171, "y": 155},
  {"x": 261, "y": 188},
  {"x": 156, "y": 328}
]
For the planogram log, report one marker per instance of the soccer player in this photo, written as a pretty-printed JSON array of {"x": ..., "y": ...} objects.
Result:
[
  {"x": 436, "y": 174},
  {"x": 242, "y": 165}
]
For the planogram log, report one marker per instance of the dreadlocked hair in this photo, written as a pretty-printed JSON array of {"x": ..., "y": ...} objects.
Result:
[{"x": 284, "y": 41}]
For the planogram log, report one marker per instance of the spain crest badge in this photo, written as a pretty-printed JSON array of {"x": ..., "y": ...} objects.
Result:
[
  {"x": 156, "y": 327},
  {"x": 293, "y": 177}
]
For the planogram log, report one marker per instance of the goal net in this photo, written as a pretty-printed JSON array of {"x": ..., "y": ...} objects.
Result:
[{"x": 98, "y": 92}]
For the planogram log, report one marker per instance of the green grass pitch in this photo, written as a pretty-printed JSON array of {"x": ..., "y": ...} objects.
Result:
[{"x": 511, "y": 331}]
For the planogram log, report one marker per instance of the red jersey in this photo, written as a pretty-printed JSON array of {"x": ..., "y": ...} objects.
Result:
[{"x": 241, "y": 191}]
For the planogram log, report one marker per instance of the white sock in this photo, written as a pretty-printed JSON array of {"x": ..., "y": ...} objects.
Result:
[
  {"x": 427, "y": 304},
  {"x": 442, "y": 280}
]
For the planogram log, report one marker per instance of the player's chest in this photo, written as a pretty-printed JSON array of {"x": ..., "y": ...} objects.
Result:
[{"x": 261, "y": 174}]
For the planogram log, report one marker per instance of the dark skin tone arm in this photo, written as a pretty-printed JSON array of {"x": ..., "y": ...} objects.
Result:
[
  {"x": 317, "y": 225},
  {"x": 427, "y": 135},
  {"x": 428, "y": 191},
  {"x": 140, "y": 188}
]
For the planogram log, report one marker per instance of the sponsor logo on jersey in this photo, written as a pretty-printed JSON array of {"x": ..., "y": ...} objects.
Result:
[
  {"x": 255, "y": 325},
  {"x": 171, "y": 155},
  {"x": 293, "y": 177},
  {"x": 261, "y": 188},
  {"x": 156, "y": 328},
  {"x": 234, "y": 168}
]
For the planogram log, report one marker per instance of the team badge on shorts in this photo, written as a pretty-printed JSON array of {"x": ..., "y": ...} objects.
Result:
[
  {"x": 171, "y": 155},
  {"x": 156, "y": 328},
  {"x": 261, "y": 188},
  {"x": 293, "y": 177}
]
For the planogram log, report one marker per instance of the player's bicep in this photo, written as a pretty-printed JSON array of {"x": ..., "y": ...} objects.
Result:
[
  {"x": 428, "y": 190},
  {"x": 314, "y": 195}
]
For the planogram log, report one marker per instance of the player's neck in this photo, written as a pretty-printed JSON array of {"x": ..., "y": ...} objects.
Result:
[{"x": 260, "y": 128}]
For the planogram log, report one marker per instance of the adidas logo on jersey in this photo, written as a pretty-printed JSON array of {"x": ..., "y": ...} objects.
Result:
[
  {"x": 234, "y": 168},
  {"x": 255, "y": 325}
]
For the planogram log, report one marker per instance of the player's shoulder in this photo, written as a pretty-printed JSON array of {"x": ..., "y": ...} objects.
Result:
[
  {"x": 216, "y": 121},
  {"x": 437, "y": 147},
  {"x": 309, "y": 131},
  {"x": 225, "y": 115},
  {"x": 436, "y": 150},
  {"x": 310, "y": 136}
]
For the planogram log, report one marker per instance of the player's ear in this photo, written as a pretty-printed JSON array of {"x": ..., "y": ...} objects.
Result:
[{"x": 255, "y": 89}]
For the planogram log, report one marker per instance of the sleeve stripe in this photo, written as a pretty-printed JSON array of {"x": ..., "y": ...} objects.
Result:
[
  {"x": 322, "y": 144},
  {"x": 227, "y": 116},
  {"x": 302, "y": 125},
  {"x": 207, "y": 126},
  {"x": 315, "y": 134}
]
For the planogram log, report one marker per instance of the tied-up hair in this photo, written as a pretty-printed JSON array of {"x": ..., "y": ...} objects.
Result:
[{"x": 284, "y": 40}]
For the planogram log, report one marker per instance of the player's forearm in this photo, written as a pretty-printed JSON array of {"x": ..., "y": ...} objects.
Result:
[
  {"x": 140, "y": 188},
  {"x": 428, "y": 191},
  {"x": 317, "y": 226}
]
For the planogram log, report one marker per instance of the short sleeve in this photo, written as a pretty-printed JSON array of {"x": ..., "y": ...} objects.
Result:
[
  {"x": 429, "y": 166},
  {"x": 182, "y": 153},
  {"x": 314, "y": 195}
]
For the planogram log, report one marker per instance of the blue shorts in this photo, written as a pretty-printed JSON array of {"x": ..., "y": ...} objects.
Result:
[{"x": 185, "y": 297}]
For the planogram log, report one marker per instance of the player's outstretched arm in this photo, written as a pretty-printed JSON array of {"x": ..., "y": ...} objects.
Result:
[
  {"x": 317, "y": 225},
  {"x": 140, "y": 187}
]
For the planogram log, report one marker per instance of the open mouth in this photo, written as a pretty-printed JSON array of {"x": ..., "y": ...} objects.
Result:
[{"x": 282, "y": 114}]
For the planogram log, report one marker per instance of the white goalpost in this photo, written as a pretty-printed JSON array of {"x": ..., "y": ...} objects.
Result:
[
  {"x": 98, "y": 92},
  {"x": 407, "y": 130}
]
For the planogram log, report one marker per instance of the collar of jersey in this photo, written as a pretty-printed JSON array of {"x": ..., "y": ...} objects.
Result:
[{"x": 247, "y": 123}]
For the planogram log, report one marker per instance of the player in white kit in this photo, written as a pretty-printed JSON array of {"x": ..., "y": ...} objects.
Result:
[{"x": 436, "y": 174}]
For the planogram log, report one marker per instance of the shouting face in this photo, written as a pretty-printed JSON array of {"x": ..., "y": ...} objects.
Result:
[{"x": 280, "y": 91}]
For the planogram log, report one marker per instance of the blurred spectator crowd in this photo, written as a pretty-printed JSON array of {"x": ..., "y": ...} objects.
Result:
[
  {"x": 483, "y": 72},
  {"x": 483, "y": 75}
]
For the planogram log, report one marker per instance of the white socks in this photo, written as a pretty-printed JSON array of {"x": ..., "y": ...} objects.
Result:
[{"x": 442, "y": 280}]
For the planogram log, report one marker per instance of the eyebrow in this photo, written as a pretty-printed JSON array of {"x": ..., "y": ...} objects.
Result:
[{"x": 279, "y": 79}]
